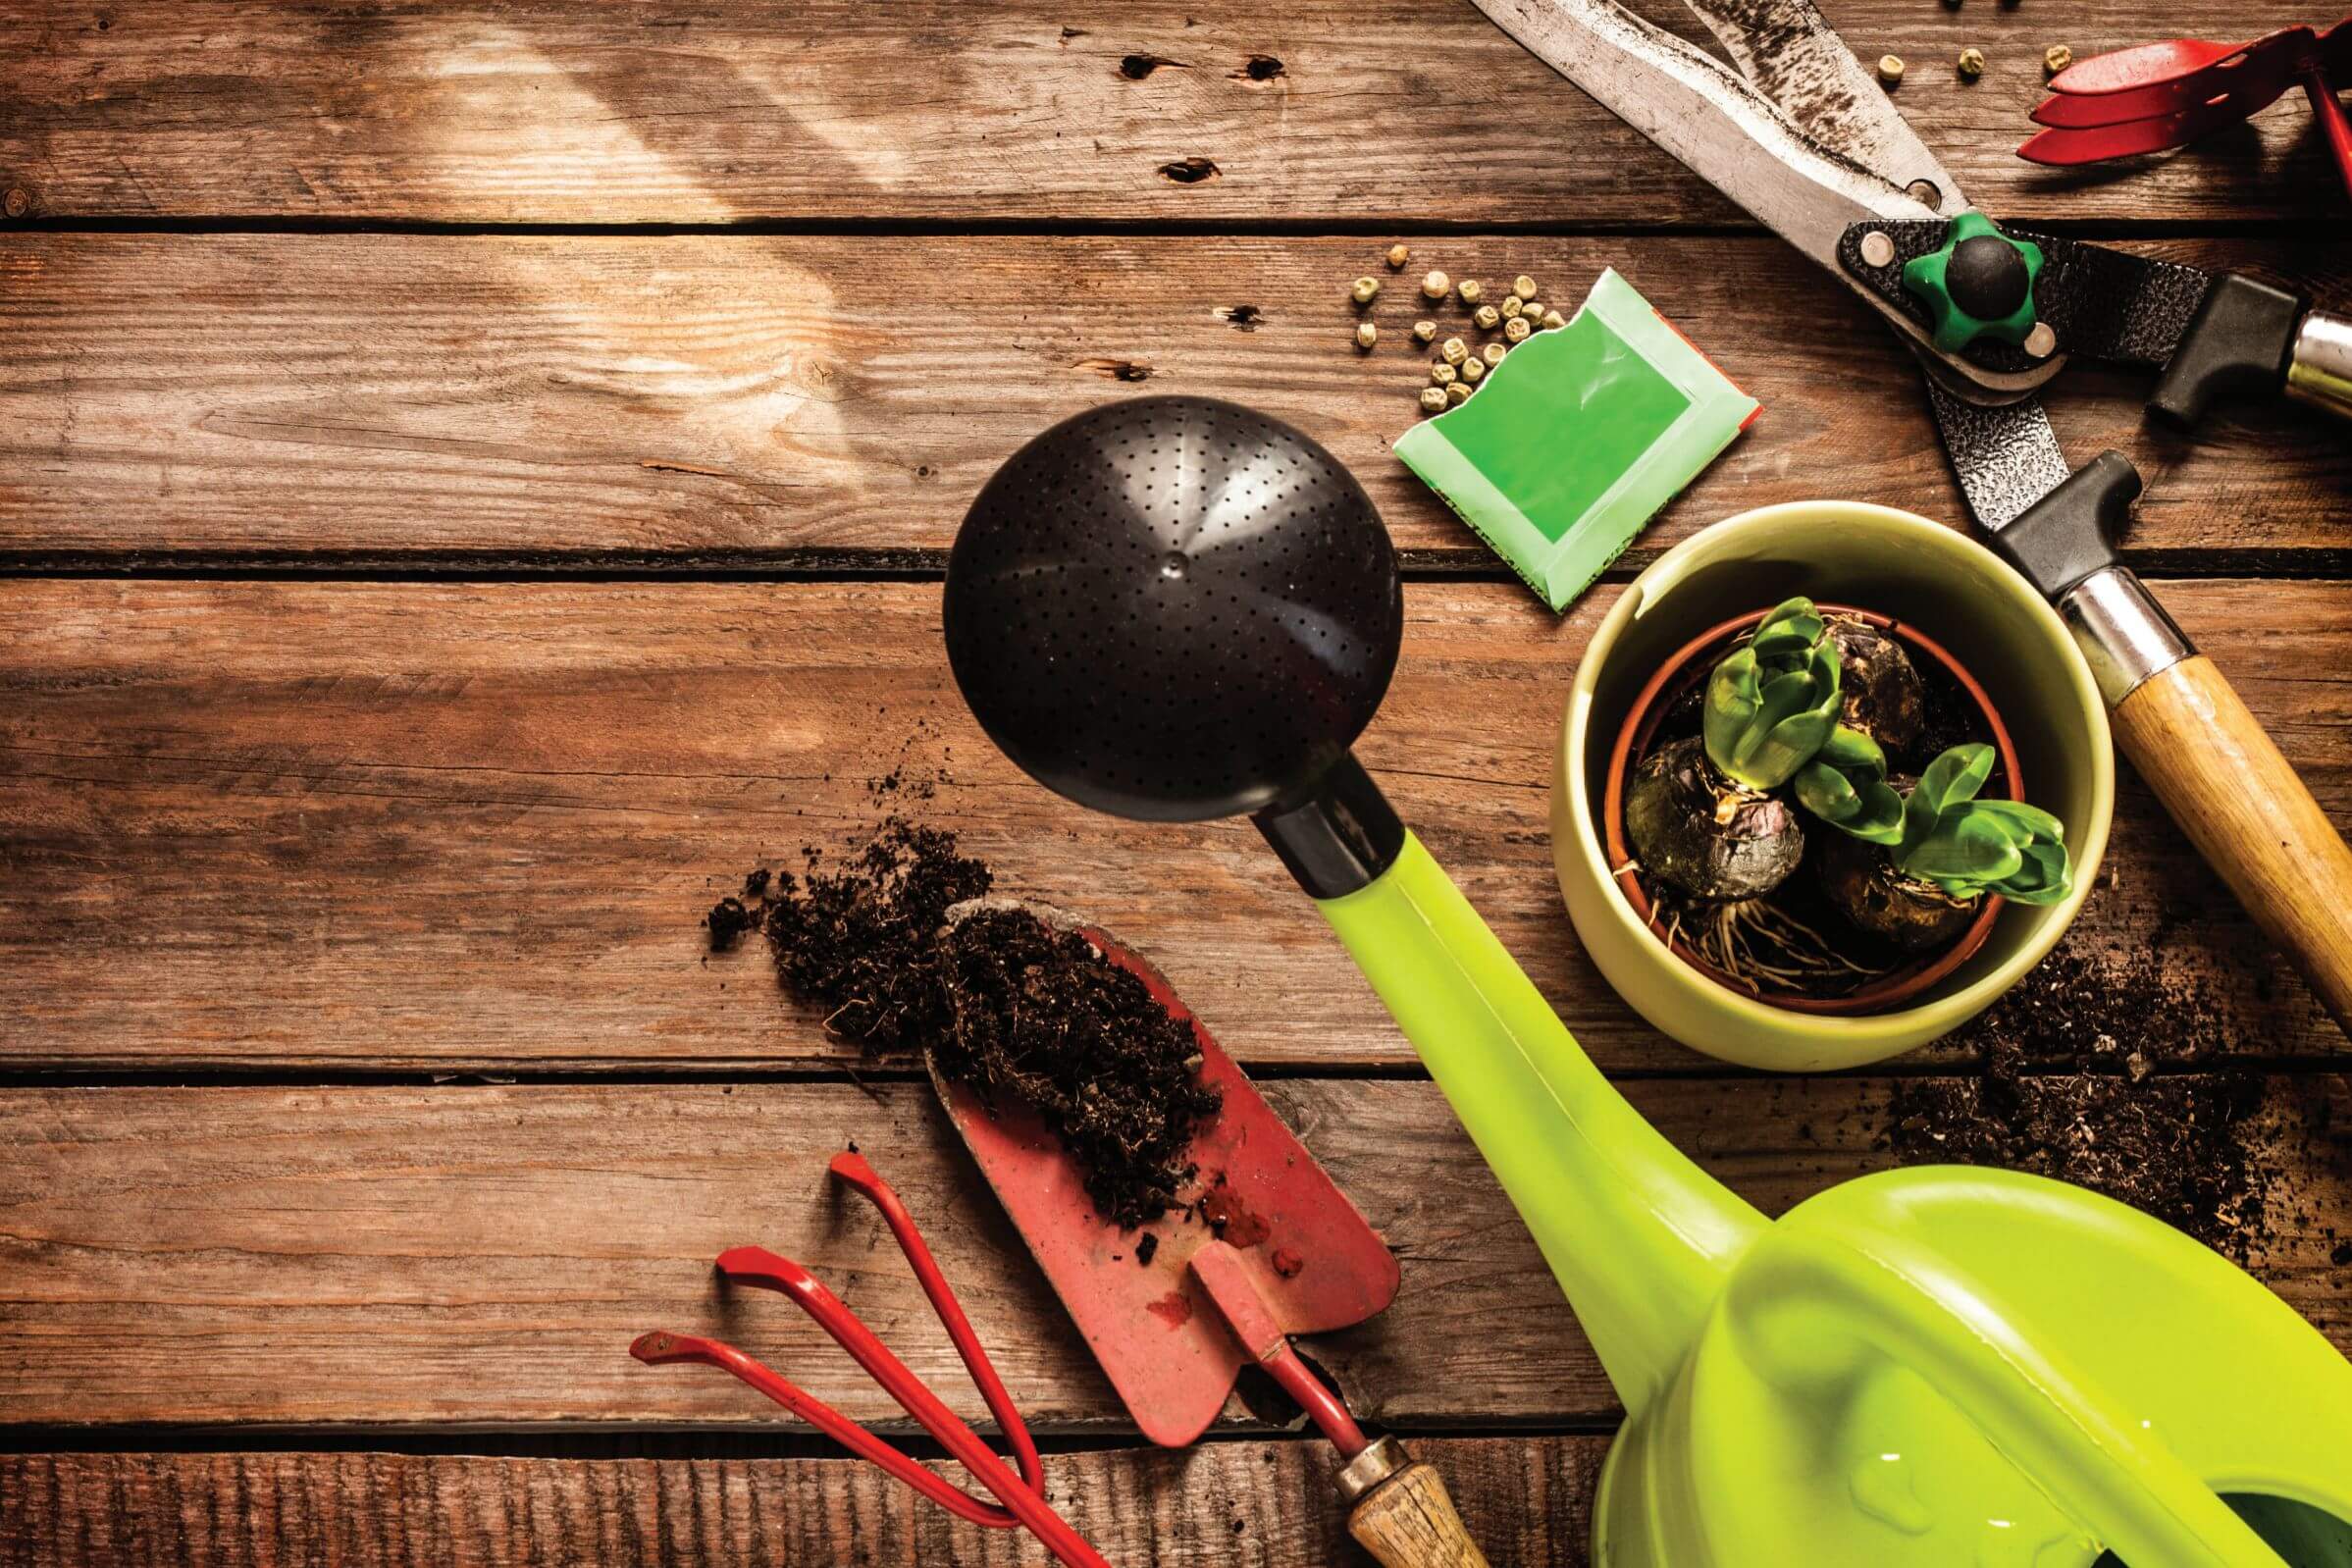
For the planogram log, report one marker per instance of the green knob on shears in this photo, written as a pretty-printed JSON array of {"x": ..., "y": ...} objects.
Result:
[{"x": 1979, "y": 284}]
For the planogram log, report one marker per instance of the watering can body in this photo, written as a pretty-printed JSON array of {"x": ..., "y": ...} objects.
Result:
[{"x": 1931, "y": 1366}]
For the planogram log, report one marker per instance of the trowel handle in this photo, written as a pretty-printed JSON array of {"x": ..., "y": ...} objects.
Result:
[
  {"x": 1811, "y": 1306},
  {"x": 1401, "y": 1512}
]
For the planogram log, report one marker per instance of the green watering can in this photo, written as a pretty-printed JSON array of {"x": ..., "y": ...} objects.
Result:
[{"x": 1173, "y": 608}]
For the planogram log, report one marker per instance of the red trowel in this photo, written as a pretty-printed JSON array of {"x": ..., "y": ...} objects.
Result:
[{"x": 1262, "y": 1246}]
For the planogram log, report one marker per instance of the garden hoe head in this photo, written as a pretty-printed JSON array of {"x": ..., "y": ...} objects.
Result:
[{"x": 1146, "y": 1313}]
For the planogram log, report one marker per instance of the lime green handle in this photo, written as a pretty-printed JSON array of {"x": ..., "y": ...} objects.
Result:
[
  {"x": 1811, "y": 1307},
  {"x": 1640, "y": 1239}
]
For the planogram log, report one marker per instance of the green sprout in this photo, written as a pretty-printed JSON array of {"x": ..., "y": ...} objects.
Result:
[
  {"x": 1942, "y": 833},
  {"x": 1846, "y": 785},
  {"x": 1774, "y": 700}
]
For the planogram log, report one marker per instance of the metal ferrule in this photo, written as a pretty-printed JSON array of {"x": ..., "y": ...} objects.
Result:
[
  {"x": 2122, "y": 629},
  {"x": 1366, "y": 1471},
  {"x": 2318, "y": 369}
]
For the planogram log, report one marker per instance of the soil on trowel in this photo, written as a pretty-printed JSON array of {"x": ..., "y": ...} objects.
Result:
[
  {"x": 1002, "y": 1002},
  {"x": 1042, "y": 1015},
  {"x": 2092, "y": 1073}
]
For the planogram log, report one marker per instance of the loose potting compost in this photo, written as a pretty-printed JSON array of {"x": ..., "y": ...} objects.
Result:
[{"x": 1000, "y": 1001}]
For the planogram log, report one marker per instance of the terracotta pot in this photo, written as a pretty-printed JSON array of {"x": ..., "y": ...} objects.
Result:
[{"x": 1691, "y": 665}]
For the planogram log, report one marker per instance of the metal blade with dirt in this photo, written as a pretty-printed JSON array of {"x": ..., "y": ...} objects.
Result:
[{"x": 1263, "y": 1245}]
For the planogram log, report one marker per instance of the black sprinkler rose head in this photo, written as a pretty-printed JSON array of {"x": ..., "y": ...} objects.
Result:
[{"x": 1173, "y": 608}]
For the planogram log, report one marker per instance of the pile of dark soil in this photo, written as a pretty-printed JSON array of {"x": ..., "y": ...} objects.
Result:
[
  {"x": 2092, "y": 1074},
  {"x": 1002, "y": 1002},
  {"x": 1040, "y": 1014}
]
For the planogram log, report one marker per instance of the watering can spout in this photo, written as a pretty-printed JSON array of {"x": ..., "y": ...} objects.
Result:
[{"x": 1641, "y": 1240}]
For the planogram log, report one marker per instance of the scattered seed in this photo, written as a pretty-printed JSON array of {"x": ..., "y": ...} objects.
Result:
[
  {"x": 1517, "y": 329},
  {"x": 2056, "y": 58},
  {"x": 1436, "y": 284},
  {"x": 1524, "y": 287},
  {"x": 1493, "y": 353},
  {"x": 1433, "y": 399},
  {"x": 1367, "y": 334},
  {"x": 1971, "y": 64},
  {"x": 1458, "y": 392},
  {"x": 1470, "y": 288},
  {"x": 1364, "y": 290},
  {"x": 1486, "y": 317},
  {"x": 1471, "y": 368},
  {"x": 1455, "y": 350},
  {"x": 1441, "y": 373},
  {"x": 1554, "y": 321},
  {"x": 1398, "y": 255},
  {"x": 1532, "y": 310},
  {"x": 1425, "y": 331},
  {"x": 1890, "y": 70},
  {"x": 1512, "y": 306}
]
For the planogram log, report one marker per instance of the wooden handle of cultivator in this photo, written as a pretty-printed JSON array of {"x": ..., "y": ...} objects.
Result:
[
  {"x": 2248, "y": 812},
  {"x": 1402, "y": 1513}
]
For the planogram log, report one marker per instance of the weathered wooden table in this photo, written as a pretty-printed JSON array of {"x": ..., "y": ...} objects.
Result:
[{"x": 476, "y": 480}]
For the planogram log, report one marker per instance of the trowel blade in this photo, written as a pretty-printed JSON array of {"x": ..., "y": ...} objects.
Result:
[{"x": 1153, "y": 1328}]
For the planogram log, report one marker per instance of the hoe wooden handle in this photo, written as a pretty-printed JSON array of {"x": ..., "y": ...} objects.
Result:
[
  {"x": 1407, "y": 1520},
  {"x": 2248, "y": 812}
]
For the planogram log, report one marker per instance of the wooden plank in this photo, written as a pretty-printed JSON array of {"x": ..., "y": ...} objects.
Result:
[
  {"x": 736, "y": 399},
  {"x": 1227, "y": 1504},
  {"x": 686, "y": 111},
  {"x": 425, "y": 827},
  {"x": 459, "y": 1256}
]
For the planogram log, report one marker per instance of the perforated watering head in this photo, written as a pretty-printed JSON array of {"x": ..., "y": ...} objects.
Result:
[{"x": 1173, "y": 608}]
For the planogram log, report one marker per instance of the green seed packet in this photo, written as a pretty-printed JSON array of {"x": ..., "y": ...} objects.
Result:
[{"x": 1577, "y": 438}]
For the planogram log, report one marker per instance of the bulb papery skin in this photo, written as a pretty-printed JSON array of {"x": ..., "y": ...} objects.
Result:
[{"x": 1704, "y": 835}]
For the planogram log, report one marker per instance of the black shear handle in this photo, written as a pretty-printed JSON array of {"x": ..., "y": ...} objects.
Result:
[{"x": 2251, "y": 339}]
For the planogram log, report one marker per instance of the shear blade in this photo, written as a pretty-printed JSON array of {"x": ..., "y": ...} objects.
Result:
[
  {"x": 1807, "y": 141},
  {"x": 1727, "y": 129}
]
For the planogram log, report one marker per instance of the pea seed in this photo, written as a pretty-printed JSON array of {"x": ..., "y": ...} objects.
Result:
[
  {"x": 1398, "y": 255},
  {"x": 1524, "y": 287},
  {"x": 1436, "y": 284},
  {"x": 2056, "y": 58},
  {"x": 1512, "y": 306},
  {"x": 1455, "y": 350},
  {"x": 1364, "y": 290},
  {"x": 1890, "y": 70},
  {"x": 1971, "y": 64},
  {"x": 1517, "y": 329},
  {"x": 1470, "y": 288},
  {"x": 1433, "y": 400},
  {"x": 1473, "y": 368},
  {"x": 1458, "y": 392},
  {"x": 1425, "y": 331},
  {"x": 1532, "y": 310},
  {"x": 1367, "y": 334},
  {"x": 1486, "y": 317},
  {"x": 1493, "y": 353},
  {"x": 1441, "y": 373},
  {"x": 1554, "y": 321}
]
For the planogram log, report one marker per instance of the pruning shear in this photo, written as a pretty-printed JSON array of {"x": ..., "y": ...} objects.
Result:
[
  {"x": 2156, "y": 96},
  {"x": 1802, "y": 136},
  {"x": 1021, "y": 1499}
]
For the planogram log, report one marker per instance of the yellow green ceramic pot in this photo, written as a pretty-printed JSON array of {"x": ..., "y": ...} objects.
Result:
[{"x": 1899, "y": 564}]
